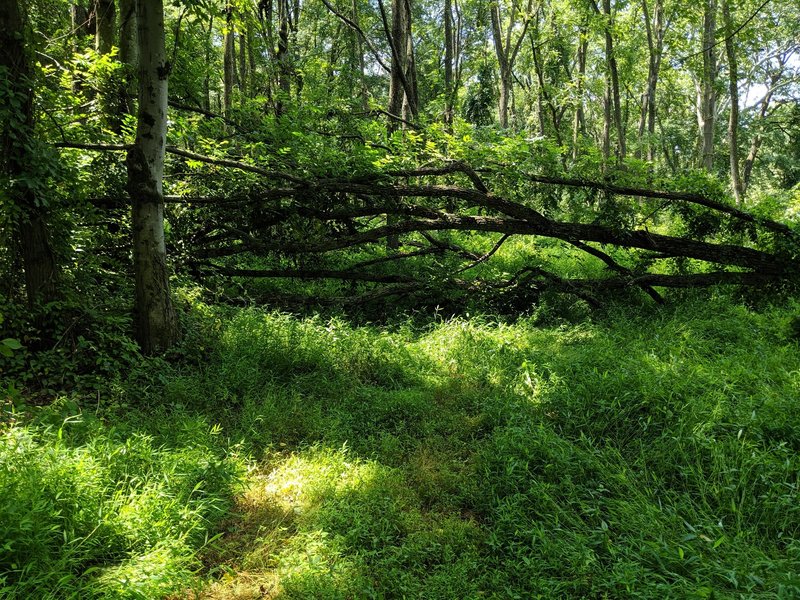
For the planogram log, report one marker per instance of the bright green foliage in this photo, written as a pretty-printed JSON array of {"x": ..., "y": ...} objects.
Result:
[
  {"x": 638, "y": 454},
  {"x": 91, "y": 511}
]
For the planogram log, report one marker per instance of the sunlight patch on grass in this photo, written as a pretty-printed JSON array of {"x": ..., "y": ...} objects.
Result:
[{"x": 289, "y": 537}]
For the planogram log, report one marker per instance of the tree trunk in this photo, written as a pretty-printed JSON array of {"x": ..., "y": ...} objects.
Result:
[
  {"x": 733, "y": 120},
  {"x": 397, "y": 86},
  {"x": 32, "y": 231},
  {"x": 502, "y": 63},
  {"x": 128, "y": 45},
  {"x": 251, "y": 61},
  {"x": 544, "y": 94},
  {"x": 282, "y": 58},
  {"x": 402, "y": 80},
  {"x": 206, "y": 72},
  {"x": 654, "y": 27},
  {"x": 79, "y": 21},
  {"x": 228, "y": 62},
  {"x": 243, "y": 71},
  {"x": 708, "y": 100},
  {"x": 613, "y": 76},
  {"x": 606, "y": 144},
  {"x": 400, "y": 102},
  {"x": 755, "y": 144},
  {"x": 449, "y": 44},
  {"x": 156, "y": 324},
  {"x": 578, "y": 124},
  {"x": 411, "y": 99},
  {"x": 106, "y": 16},
  {"x": 506, "y": 50},
  {"x": 358, "y": 47},
  {"x": 128, "y": 53}
]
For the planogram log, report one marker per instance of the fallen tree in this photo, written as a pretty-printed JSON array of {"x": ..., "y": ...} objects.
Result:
[
  {"x": 310, "y": 220},
  {"x": 424, "y": 209}
]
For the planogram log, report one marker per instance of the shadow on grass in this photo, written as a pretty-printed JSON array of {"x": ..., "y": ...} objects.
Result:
[{"x": 645, "y": 457}]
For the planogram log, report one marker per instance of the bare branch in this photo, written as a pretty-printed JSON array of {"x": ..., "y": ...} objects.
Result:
[{"x": 486, "y": 256}]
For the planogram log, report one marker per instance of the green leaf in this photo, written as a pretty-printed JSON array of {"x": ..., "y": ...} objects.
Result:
[{"x": 11, "y": 344}]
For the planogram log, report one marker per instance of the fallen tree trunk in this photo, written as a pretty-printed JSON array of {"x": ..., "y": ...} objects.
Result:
[{"x": 318, "y": 218}]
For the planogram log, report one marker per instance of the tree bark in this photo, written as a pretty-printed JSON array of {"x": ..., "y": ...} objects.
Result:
[
  {"x": 733, "y": 119},
  {"x": 411, "y": 100},
  {"x": 106, "y": 15},
  {"x": 128, "y": 36},
  {"x": 80, "y": 24},
  {"x": 243, "y": 70},
  {"x": 544, "y": 94},
  {"x": 228, "y": 62},
  {"x": 206, "y": 73},
  {"x": 757, "y": 140},
  {"x": 156, "y": 323},
  {"x": 449, "y": 44},
  {"x": 578, "y": 124},
  {"x": 402, "y": 82},
  {"x": 502, "y": 62},
  {"x": 401, "y": 92},
  {"x": 282, "y": 58},
  {"x": 655, "y": 29},
  {"x": 358, "y": 48},
  {"x": 506, "y": 50},
  {"x": 613, "y": 83},
  {"x": 708, "y": 98}
]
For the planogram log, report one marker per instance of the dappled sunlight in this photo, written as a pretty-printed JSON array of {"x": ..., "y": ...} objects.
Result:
[
  {"x": 460, "y": 459},
  {"x": 322, "y": 522},
  {"x": 280, "y": 543}
]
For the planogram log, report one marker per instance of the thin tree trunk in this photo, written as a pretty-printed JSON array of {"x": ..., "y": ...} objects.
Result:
[
  {"x": 362, "y": 67},
  {"x": 228, "y": 62},
  {"x": 243, "y": 74},
  {"x": 106, "y": 16},
  {"x": 402, "y": 100},
  {"x": 613, "y": 76},
  {"x": 708, "y": 100},
  {"x": 755, "y": 144},
  {"x": 251, "y": 61},
  {"x": 654, "y": 27},
  {"x": 156, "y": 324},
  {"x": 606, "y": 145},
  {"x": 506, "y": 50},
  {"x": 206, "y": 73},
  {"x": 502, "y": 62},
  {"x": 544, "y": 95},
  {"x": 282, "y": 58},
  {"x": 79, "y": 21},
  {"x": 578, "y": 125},
  {"x": 411, "y": 100},
  {"x": 733, "y": 121},
  {"x": 399, "y": 87},
  {"x": 128, "y": 36},
  {"x": 449, "y": 44},
  {"x": 115, "y": 104}
]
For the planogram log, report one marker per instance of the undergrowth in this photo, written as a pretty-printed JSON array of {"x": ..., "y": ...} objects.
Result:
[{"x": 646, "y": 453}]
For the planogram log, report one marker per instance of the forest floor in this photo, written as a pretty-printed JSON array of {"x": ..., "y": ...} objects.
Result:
[{"x": 645, "y": 453}]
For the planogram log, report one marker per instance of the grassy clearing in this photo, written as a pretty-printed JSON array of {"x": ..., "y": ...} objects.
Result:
[{"x": 642, "y": 455}]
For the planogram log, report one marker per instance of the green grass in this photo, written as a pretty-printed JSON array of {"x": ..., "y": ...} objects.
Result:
[{"x": 642, "y": 453}]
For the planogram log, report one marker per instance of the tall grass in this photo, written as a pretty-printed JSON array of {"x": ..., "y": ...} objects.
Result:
[
  {"x": 90, "y": 511},
  {"x": 647, "y": 454}
]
